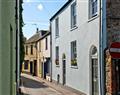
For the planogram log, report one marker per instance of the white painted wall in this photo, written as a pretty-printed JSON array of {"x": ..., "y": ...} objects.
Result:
[
  {"x": 45, "y": 53},
  {"x": 86, "y": 34}
]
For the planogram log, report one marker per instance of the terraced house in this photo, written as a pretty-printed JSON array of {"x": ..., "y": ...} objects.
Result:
[
  {"x": 76, "y": 51},
  {"x": 37, "y": 54},
  {"x": 30, "y": 63},
  {"x": 81, "y": 32},
  {"x": 44, "y": 60}
]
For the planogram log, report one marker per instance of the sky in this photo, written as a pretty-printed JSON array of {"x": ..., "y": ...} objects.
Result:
[{"x": 36, "y": 14}]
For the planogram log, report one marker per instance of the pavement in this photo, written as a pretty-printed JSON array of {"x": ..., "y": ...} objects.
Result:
[{"x": 32, "y": 85}]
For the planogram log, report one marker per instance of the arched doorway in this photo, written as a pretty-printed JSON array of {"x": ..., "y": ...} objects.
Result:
[{"x": 94, "y": 71}]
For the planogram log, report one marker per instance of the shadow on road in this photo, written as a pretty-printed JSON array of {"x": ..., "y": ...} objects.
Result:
[
  {"x": 30, "y": 83},
  {"x": 24, "y": 94}
]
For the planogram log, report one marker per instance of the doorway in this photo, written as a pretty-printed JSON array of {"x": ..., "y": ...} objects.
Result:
[
  {"x": 31, "y": 67},
  {"x": 95, "y": 77},
  {"x": 46, "y": 67},
  {"x": 116, "y": 75},
  {"x": 35, "y": 68},
  {"x": 94, "y": 88},
  {"x": 64, "y": 71}
]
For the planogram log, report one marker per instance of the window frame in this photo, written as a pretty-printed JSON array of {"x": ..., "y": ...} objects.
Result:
[
  {"x": 46, "y": 43},
  {"x": 26, "y": 49},
  {"x": 74, "y": 53},
  {"x": 57, "y": 55},
  {"x": 57, "y": 27},
  {"x": 40, "y": 46},
  {"x": 93, "y": 8},
  {"x": 73, "y": 15},
  {"x": 31, "y": 51}
]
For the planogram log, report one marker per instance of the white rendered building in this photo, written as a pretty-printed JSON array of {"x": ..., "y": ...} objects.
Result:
[{"x": 76, "y": 46}]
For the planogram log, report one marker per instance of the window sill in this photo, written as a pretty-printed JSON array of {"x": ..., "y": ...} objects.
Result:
[
  {"x": 74, "y": 67},
  {"x": 57, "y": 37},
  {"x": 75, "y": 27},
  {"x": 57, "y": 65},
  {"x": 93, "y": 18}
]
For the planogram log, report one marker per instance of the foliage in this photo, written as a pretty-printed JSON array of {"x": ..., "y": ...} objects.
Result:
[
  {"x": 57, "y": 61},
  {"x": 74, "y": 62},
  {"x": 22, "y": 51}
]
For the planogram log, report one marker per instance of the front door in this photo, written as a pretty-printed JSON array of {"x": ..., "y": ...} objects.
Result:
[
  {"x": 95, "y": 90},
  {"x": 31, "y": 67},
  {"x": 45, "y": 69},
  {"x": 35, "y": 68},
  {"x": 64, "y": 72},
  {"x": 117, "y": 75}
]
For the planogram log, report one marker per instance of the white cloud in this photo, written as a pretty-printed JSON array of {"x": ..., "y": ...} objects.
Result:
[
  {"x": 28, "y": 1},
  {"x": 40, "y": 7}
]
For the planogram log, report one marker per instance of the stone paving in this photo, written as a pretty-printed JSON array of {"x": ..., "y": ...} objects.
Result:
[{"x": 37, "y": 86}]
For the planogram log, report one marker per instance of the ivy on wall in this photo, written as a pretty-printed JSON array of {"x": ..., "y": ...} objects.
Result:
[{"x": 22, "y": 51}]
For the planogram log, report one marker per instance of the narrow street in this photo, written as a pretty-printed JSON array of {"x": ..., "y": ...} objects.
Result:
[{"x": 36, "y": 86}]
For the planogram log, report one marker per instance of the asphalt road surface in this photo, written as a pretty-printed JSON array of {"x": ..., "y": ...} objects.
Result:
[
  {"x": 35, "y": 86},
  {"x": 31, "y": 86}
]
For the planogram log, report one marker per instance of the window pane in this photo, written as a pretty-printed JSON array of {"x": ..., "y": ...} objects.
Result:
[
  {"x": 40, "y": 46},
  {"x": 26, "y": 50},
  {"x": 73, "y": 54},
  {"x": 31, "y": 49},
  {"x": 57, "y": 27},
  {"x": 46, "y": 45},
  {"x": 73, "y": 15},
  {"x": 57, "y": 56},
  {"x": 93, "y": 8}
]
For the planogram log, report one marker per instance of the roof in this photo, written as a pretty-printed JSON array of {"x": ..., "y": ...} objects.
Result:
[
  {"x": 61, "y": 9},
  {"x": 34, "y": 38},
  {"x": 39, "y": 35},
  {"x": 42, "y": 37}
]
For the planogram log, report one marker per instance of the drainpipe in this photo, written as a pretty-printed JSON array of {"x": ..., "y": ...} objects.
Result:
[
  {"x": 36, "y": 73},
  {"x": 50, "y": 53},
  {"x": 102, "y": 43},
  {"x": 43, "y": 67},
  {"x": 17, "y": 46}
]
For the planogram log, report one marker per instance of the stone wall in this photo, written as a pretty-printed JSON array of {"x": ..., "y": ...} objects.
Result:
[
  {"x": 108, "y": 74},
  {"x": 113, "y": 35},
  {"x": 113, "y": 21}
]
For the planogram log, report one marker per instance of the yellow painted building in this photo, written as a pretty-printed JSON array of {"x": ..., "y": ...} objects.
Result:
[
  {"x": 30, "y": 61},
  {"x": 37, "y": 55}
]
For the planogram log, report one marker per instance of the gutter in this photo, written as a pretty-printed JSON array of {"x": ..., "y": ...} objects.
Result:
[{"x": 61, "y": 9}]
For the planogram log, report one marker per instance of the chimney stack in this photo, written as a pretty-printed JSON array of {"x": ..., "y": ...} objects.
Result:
[{"x": 37, "y": 30}]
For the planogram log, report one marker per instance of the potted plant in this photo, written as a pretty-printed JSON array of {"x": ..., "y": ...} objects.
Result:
[
  {"x": 57, "y": 62},
  {"x": 74, "y": 62}
]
